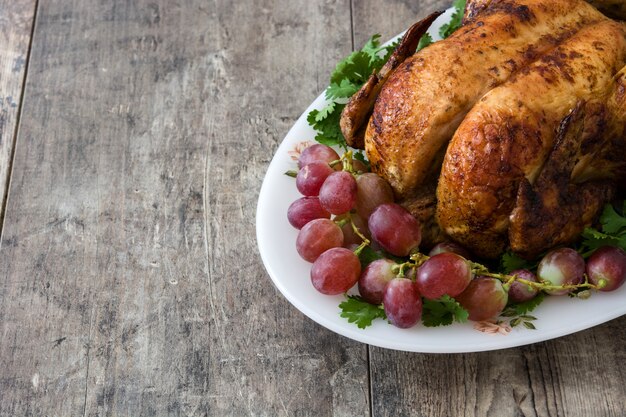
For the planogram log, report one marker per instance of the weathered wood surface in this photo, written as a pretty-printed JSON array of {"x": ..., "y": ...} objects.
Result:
[
  {"x": 130, "y": 280},
  {"x": 129, "y": 277},
  {"x": 16, "y": 20},
  {"x": 577, "y": 375}
]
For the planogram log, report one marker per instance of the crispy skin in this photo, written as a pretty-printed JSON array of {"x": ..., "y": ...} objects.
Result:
[
  {"x": 586, "y": 165},
  {"x": 358, "y": 110},
  {"x": 604, "y": 138},
  {"x": 473, "y": 8},
  {"x": 555, "y": 209},
  {"x": 612, "y": 8},
  {"x": 509, "y": 134},
  {"x": 423, "y": 207},
  {"x": 427, "y": 96}
]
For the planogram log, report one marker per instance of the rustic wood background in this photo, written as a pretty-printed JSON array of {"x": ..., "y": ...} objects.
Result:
[{"x": 134, "y": 136}]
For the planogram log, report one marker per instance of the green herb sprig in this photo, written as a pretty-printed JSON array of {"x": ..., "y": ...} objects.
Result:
[{"x": 612, "y": 233}]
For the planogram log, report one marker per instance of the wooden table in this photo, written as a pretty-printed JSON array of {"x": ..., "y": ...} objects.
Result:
[{"x": 134, "y": 137}]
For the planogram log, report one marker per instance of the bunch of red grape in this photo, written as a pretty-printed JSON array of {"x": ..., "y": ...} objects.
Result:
[{"x": 362, "y": 207}]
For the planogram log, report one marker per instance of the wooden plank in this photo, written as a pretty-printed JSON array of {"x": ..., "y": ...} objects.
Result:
[
  {"x": 390, "y": 18},
  {"x": 16, "y": 20},
  {"x": 130, "y": 280},
  {"x": 578, "y": 375}
]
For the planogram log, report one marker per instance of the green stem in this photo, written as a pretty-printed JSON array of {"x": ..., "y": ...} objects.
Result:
[
  {"x": 358, "y": 232},
  {"x": 335, "y": 163},
  {"x": 362, "y": 246},
  {"x": 419, "y": 258},
  {"x": 400, "y": 269},
  {"x": 347, "y": 162},
  {"x": 542, "y": 286},
  {"x": 343, "y": 222}
]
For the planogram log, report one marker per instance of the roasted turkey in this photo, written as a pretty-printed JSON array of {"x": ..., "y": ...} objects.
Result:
[{"x": 508, "y": 133}]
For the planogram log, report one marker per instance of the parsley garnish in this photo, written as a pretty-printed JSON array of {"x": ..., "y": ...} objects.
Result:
[
  {"x": 369, "y": 255},
  {"x": 519, "y": 309},
  {"x": 359, "y": 311},
  {"x": 326, "y": 122},
  {"x": 510, "y": 262},
  {"x": 455, "y": 21},
  {"x": 347, "y": 78},
  {"x": 613, "y": 231},
  {"x": 424, "y": 41},
  {"x": 443, "y": 312},
  {"x": 518, "y": 312}
]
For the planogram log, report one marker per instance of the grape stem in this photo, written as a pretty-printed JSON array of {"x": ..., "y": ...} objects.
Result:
[
  {"x": 362, "y": 246},
  {"x": 356, "y": 230},
  {"x": 346, "y": 159},
  {"x": 400, "y": 269},
  {"x": 332, "y": 164},
  {"x": 419, "y": 258},
  {"x": 544, "y": 286},
  {"x": 343, "y": 222}
]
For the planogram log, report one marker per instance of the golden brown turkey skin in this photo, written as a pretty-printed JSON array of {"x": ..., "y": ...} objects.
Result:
[
  {"x": 426, "y": 97},
  {"x": 510, "y": 132},
  {"x": 556, "y": 209},
  {"x": 603, "y": 147},
  {"x": 585, "y": 166}
]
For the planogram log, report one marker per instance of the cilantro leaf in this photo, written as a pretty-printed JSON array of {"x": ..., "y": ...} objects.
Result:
[
  {"x": 327, "y": 111},
  {"x": 443, "y": 312},
  {"x": 389, "y": 49},
  {"x": 372, "y": 46},
  {"x": 356, "y": 68},
  {"x": 345, "y": 89},
  {"x": 326, "y": 123},
  {"x": 526, "y": 307},
  {"x": 510, "y": 262},
  {"x": 455, "y": 21},
  {"x": 594, "y": 239},
  {"x": 612, "y": 222},
  {"x": 424, "y": 41},
  {"x": 359, "y": 311},
  {"x": 613, "y": 232},
  {"x": 369, "y": 255}
]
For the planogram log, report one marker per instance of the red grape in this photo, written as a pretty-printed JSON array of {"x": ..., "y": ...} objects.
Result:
[
  {"x": 402, "y": 302},
  {"x": 374, "y": 279},
  {"x": 519, "y": 292},
  {"x": 317, "y": 153},
  {"x": 338, "y": 193},
  {"x": 349, "y": 236},
  {"x": 311, "y": 177},
  {"x": 305, "y": 209},
  {"x": 609, "y": 264},
  {"x": 444, "y": 274},
  {"x": 484, "y": 298},
  {"x": 359, "y": 166},
  {"x": 562, "y": 266},
  {"x": 316, "y": 237},
  {"x": 335, "y": 271},
  {"x": 395, "y": 229},
  {"x": 450, "y": 247},
  {"x": 372, "y": 191}
]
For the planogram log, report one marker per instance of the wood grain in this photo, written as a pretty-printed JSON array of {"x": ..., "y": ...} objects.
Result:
[
  {"x": 577, "y": 375},
  {"x": 130, "y": 281},
  {"x": 16, "y": 20}
]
